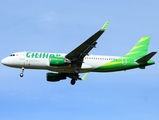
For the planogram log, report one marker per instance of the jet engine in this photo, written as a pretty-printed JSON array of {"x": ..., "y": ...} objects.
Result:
[
  {"x": 57, "y": 61},
  {"x": 54, "y": 77}
]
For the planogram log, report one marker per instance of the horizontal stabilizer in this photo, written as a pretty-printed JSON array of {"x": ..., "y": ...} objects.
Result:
[{"x": 146, "y": 57}]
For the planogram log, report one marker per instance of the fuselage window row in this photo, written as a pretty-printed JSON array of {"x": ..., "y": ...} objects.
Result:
[{"x": 101, "y": 58}]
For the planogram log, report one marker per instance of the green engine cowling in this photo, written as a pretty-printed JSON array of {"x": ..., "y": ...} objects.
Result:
[
  {"x": 57, "y": 61},
  {"x": 54, "y": 77}
]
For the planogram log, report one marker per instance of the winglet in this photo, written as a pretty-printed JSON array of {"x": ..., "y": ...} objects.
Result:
[
  {"x": 105, "y": 26},
  {"x": 85, "y": 76}
]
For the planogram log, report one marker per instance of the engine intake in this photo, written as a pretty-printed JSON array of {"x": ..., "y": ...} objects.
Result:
[{"x": 54, "y": 77}]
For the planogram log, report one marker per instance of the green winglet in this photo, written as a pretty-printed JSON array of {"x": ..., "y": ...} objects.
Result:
[
  {"x": 85, "y": 76},
  {"x": 105, "y": 25}
]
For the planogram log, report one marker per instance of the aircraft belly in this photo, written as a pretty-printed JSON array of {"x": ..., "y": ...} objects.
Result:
[
  {"x": 87, "y": 66},
  {"x": 64, "y": 69}
]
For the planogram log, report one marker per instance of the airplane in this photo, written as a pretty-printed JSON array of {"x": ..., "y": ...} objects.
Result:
[{"x": 79, "y": 61}]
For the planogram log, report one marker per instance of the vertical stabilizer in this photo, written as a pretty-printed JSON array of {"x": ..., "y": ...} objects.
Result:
[{"x": 140, "y": 49}]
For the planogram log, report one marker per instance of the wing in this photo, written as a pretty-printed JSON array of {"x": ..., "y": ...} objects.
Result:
[{"x": 77, "y": 55}]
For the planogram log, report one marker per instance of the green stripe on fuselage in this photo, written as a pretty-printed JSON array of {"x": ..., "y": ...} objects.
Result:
[
  {"x": 122, "y": 63},
  {"x": 116, "y": 65}
]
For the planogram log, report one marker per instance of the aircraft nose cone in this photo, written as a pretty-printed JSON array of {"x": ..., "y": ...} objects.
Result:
[{"x": 4, "y": 61}]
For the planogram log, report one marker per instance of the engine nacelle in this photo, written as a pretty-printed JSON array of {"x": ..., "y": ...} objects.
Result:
[
  {"x": 54, "y": 77},
  {"x": 57, "y": 61}
]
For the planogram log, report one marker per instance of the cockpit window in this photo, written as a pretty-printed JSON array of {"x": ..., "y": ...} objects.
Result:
[{"x": 12, "y": 55}]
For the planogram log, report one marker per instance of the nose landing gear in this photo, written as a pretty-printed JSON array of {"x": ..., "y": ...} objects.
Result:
[{"x": 22, "y": 73}]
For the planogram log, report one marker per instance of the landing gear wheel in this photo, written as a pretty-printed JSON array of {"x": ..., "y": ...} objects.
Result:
[
  {"x": 73, "y": 81},
  {"x": 21, "y": 74}
]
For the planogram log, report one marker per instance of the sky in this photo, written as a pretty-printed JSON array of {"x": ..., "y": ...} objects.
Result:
[{"x": 60, "y": 26}]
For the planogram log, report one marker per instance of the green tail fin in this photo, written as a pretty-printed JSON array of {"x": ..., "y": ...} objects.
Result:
[{"x": 140, "y": 49}]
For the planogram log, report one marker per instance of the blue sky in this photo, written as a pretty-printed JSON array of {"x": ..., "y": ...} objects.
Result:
[{"x": 60, "y": 26}]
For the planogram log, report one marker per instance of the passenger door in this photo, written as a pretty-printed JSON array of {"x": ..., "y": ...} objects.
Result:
[{"x": 22, "y": 58}]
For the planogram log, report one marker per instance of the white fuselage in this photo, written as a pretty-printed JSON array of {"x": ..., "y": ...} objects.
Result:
[{"x": 40, "y": 60}]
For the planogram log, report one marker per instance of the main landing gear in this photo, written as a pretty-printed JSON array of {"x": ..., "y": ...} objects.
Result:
[
  {"x": 75, "y": 75},
  {"x": 22, "y": 73},
  {"x": 73, "y": 81},
  {"x": 76, "y": 71}
]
